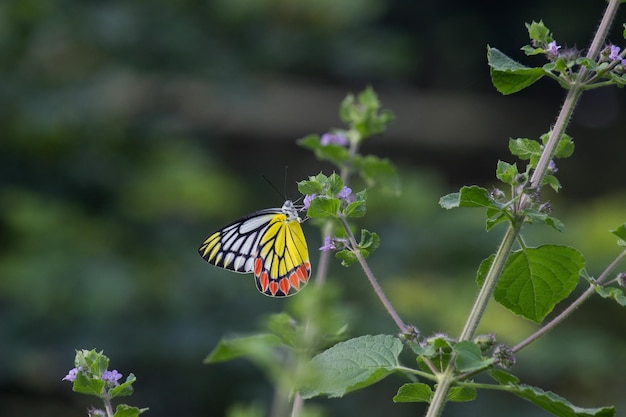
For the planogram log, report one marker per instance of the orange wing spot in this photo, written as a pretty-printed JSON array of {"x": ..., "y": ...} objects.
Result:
[
  {"x": 294, "y": 280},
  {"x": 273, "y": 288},
  {"x": 304, "y": 271},
  {"x": 264, "y": 281},
  {"x": 284, "y": 285},
  {"x": 258, "y": 266}
]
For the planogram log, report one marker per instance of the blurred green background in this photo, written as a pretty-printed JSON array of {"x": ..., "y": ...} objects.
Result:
[{"x": 130, "y": 130}]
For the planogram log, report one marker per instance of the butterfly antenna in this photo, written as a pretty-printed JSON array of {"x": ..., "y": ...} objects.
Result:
[{"x": 273, "y": 186}]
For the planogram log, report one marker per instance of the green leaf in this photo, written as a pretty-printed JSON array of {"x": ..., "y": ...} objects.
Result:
[
  {"x": 324, "y": 207},
  {"x": 95, "y": 362},
  {"x": 557, "y": 405},
  {"x": 124, "y": 410},
  {"x": 231, "y": 348},
  {"x": 364, "y": 115},
  {"x": 378, "y": 171},
  {"x": 509, "y": 76},
  {"x": 357, "y": 208},
  {"x": 414, "y": 393},
  {"x": 346, "y": 256},
  {"x": 335, "y": 184},
  {"x": 334, "y": 153},
  {"x": 87, "y": 384},
  {"x": 311, "y": 186},
  {"x": 507, "y": 173},
  {"x": 534, "y": 280},
  {"x": 125, "y": 389},
  {"x": 462, "y": 394},
  {"x": 526, "y": 149},
  {"x": 369, "y": 240},
  {"x": 620, "y": 232},
  {"x": 472, "y": 196},
  {"x": 469, "y": 357},
  {"x": 613, "y": 293},
  {"x": 354, "y": 364},
  {"x": 503, "y": 377},
  {"x": 553, "y": 182},
  {"x": 544, "y": 218},
  {"x": 538, "y": 32}
]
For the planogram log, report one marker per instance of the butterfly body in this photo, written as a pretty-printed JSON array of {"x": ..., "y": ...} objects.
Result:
[{"x": 269, "y": 243}]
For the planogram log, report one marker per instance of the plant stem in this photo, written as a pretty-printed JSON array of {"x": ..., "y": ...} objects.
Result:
[
  {"x": 490, "y": 280},
  {"x": 564, "y": 116},
  {"x": 574, "y": 94},
  {"x": 373, "y": 281}
]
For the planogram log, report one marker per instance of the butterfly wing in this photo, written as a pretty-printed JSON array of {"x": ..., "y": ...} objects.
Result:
[
  {"x": 235, "y": 246},
  {"x": 268, "y": 243},
  {"x": 282, "y": 265}
]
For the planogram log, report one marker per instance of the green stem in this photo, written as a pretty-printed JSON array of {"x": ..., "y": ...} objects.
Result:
[
  {"x": 490, "y": 281},
  {"x": 565, "y": 114}
]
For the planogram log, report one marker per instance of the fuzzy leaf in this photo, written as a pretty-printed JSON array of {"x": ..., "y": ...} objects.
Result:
[
  {"x": 469, "y": 357},
  {"x": 534, "y": 280},
  {"x": 558, "y": 405},
  {"x": 354, "y": 364},
  {"x": 509, "y": 76},
  {"x": 123, "y": 410},
  {"x": 231, "y": 348},
  {"x": 413, "y": 393},
  {"x": 612, "y": 292},
  {"x": 462, "y": 394},
  {"x": 324, "y": 208},
  {"x": 620, "y": 232},
  {"x": 469, "y": 196}
]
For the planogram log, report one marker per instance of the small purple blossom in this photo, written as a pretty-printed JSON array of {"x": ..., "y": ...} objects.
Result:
[
  {"x": 553, "y": 50},
  {"x": 345, "y": 193},
  {"x": 328, "y": 245},
  {"x": 111, "y": 377},
  {"x": 614, "y": 53},
  {"x": 336, "y": 138},
  {"x": 96, "y": 412},
  {"x": 307, "y": 201},
  {"x": 552, "y": 168},
  {"x": 71, "y": 375}
]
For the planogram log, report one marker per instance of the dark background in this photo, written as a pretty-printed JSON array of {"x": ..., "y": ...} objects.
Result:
[{"x": 130, "y": 130}]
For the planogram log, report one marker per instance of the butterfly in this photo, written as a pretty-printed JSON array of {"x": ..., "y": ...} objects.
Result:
[{"x": 270, "y": 243}]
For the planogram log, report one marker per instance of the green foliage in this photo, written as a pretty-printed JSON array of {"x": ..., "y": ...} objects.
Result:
[
  {"x": 354, "y": 364},
  {"x": 90, "y": 378},
  {"x": 509, "y": 76},
  {"x": 557, "y": 405},
  {"x": 534, "y": 280},
  {"x": 364, "y": 118}
]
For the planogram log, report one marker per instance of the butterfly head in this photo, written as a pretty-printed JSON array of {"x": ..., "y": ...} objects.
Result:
[{"x": 291, "y": 212}]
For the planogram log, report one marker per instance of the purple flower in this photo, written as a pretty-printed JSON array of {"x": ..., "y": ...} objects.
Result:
[
  {"x": 307, "y": 201},
  {"x": 111, "y": 377},
  {"x": 614, "y": 54},
  {"x": 71, "y": 375},
  {"x": 345, "y": 193},
  {"x": 334, "y": 139},
  {"x": 553, "y": 49},
  {"x": 96, "y": 412},
  {"x": 328, "y": 245},
  {"x": 552, "y": 168}
]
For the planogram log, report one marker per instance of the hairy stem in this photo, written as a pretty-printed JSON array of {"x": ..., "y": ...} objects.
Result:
[
  {"x": 490, "y": 281},
  {"x": 564, "y": 116},
  {"x": 373, "y": 281}
]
